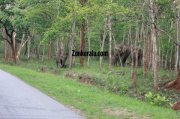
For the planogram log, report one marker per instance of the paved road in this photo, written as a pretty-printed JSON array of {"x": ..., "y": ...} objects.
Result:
[{"x": 21, "y": 101}]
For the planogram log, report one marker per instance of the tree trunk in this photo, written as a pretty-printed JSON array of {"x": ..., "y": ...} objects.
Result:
[
  {"x": 145, "y": 63},
  {"x": 43, "y": 53},
  {"x": 49, "y": 50},
  {"x": 135, "y": 55},
  {"x": 20, "y": 48},
  {"x": 89, "y": 41},
  {"x": 37, "y": 51},
  {"x": 177, "y": 48},
  {"x": 28, "y": 47},
  {"x": 150, "y": 52},
  {"x": 5, "y": 45},
  {"x": 103, "y": 41},
  {"x": 130, "y": 34},
  {"x": 82, "y": 42},
  {"x": 170, "y": 60},
  {"x": 14, "y": 47},
  {"x": 82, "y": 34},
  {"x": 72, "y": 42},
  {"x": 110, "y": 42},
  {"x": 154, "y": 45}
]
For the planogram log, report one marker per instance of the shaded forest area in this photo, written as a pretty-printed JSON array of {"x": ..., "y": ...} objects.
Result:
[{"x": 140, "y": 34}]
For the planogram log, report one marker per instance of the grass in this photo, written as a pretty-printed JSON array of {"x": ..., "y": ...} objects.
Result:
[
  {"x": 118, "y": 81},
  {"x": 93, "y": 102}
]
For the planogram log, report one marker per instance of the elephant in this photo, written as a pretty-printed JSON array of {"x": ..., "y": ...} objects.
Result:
[
  {"x": 61, "y": 57},
  {"x": 123, "y": 52}
]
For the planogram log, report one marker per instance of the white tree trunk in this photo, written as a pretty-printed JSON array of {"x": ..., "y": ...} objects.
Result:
[
  {"x": 103, "y": 41},
  {"x": 177, "y": 47},
  {"x": 29, "y": 44},
  {"x": 110, "y": 42},
  {"x": 154, "y": 45},
  {"x": 72, "y": 41},
  {"x": 21, "y": 46},
  {"x": 89, "y": 41}
]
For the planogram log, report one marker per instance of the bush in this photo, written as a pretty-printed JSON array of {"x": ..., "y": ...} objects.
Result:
[{"x": 156, "y": 99}]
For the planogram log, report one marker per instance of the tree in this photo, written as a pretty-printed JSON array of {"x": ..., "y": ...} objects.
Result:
[
  {"x": 153, "y": 11},
  {"x": 6, "y": 22}
]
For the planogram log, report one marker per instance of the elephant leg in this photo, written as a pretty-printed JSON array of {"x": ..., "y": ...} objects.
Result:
[{"x": 61, "y": 63}]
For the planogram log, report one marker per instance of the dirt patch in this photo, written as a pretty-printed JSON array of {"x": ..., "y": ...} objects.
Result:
[
  {"x": 123, "y": 113},
  {"x": 85, "y": 79},
  {"x": 176, "y": 106},
  {"x": 174, "y": 84},
  {"x": 82, "y": 78}
]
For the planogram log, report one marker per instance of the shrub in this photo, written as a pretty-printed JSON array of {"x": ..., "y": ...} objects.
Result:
[{"x": 156, "y": 99}]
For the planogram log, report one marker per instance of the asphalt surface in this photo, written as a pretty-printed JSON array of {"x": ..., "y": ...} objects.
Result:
[{"x": 21, "y": 101}]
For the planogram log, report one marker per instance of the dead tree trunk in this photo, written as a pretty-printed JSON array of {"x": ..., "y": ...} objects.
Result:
[{"x": 174, "y": 84}]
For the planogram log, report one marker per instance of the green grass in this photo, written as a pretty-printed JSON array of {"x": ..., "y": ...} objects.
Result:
[
  {"x": 91, "y": 101},
  {"x": 118, "y": 81}
]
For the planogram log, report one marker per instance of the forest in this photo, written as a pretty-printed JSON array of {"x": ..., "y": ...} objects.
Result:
[{"x": 139, "y": 41}]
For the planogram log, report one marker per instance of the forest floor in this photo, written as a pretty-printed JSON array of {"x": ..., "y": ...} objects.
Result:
[{"x": 98, "y": 93}]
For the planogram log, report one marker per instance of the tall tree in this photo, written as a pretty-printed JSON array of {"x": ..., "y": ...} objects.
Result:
[
  {"x": 82, "y": 34},
  {"x": 153, "y": 11}
]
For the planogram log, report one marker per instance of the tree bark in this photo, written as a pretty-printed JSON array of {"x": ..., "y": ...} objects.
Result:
[
  {"x": 37, "y": 51},
  {"x": 154, "y": 45},
  {"x": 89, "y": 41},
  {"x": 14, "y": 47},
  {"x": 28, "y": 47},
  {"x": 103, "y": 41},
  {"x": 145, "y": 63},
  {"x": 49, "y": 50},
  {"x": 82, "y": 34},
  {"x": 135, "y": 55},
  {"x": 43, "y": 53},
  {"x": 72, "y": 41},
  {"x": 110, "y": 42},
  {"x": 177, "y": 48},
  {"x": 5, "y": 45},
  {"x": 20, "y": 48},
  {"x": 82, "y": 42}
]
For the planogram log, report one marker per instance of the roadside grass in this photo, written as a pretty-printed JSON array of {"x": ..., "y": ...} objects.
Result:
[
  {"x": 117, "y": 81},
  {"x": 93, "y": 102}
]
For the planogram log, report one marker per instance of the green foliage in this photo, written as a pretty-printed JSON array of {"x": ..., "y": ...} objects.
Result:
[{"x": 156, "y": 99}]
